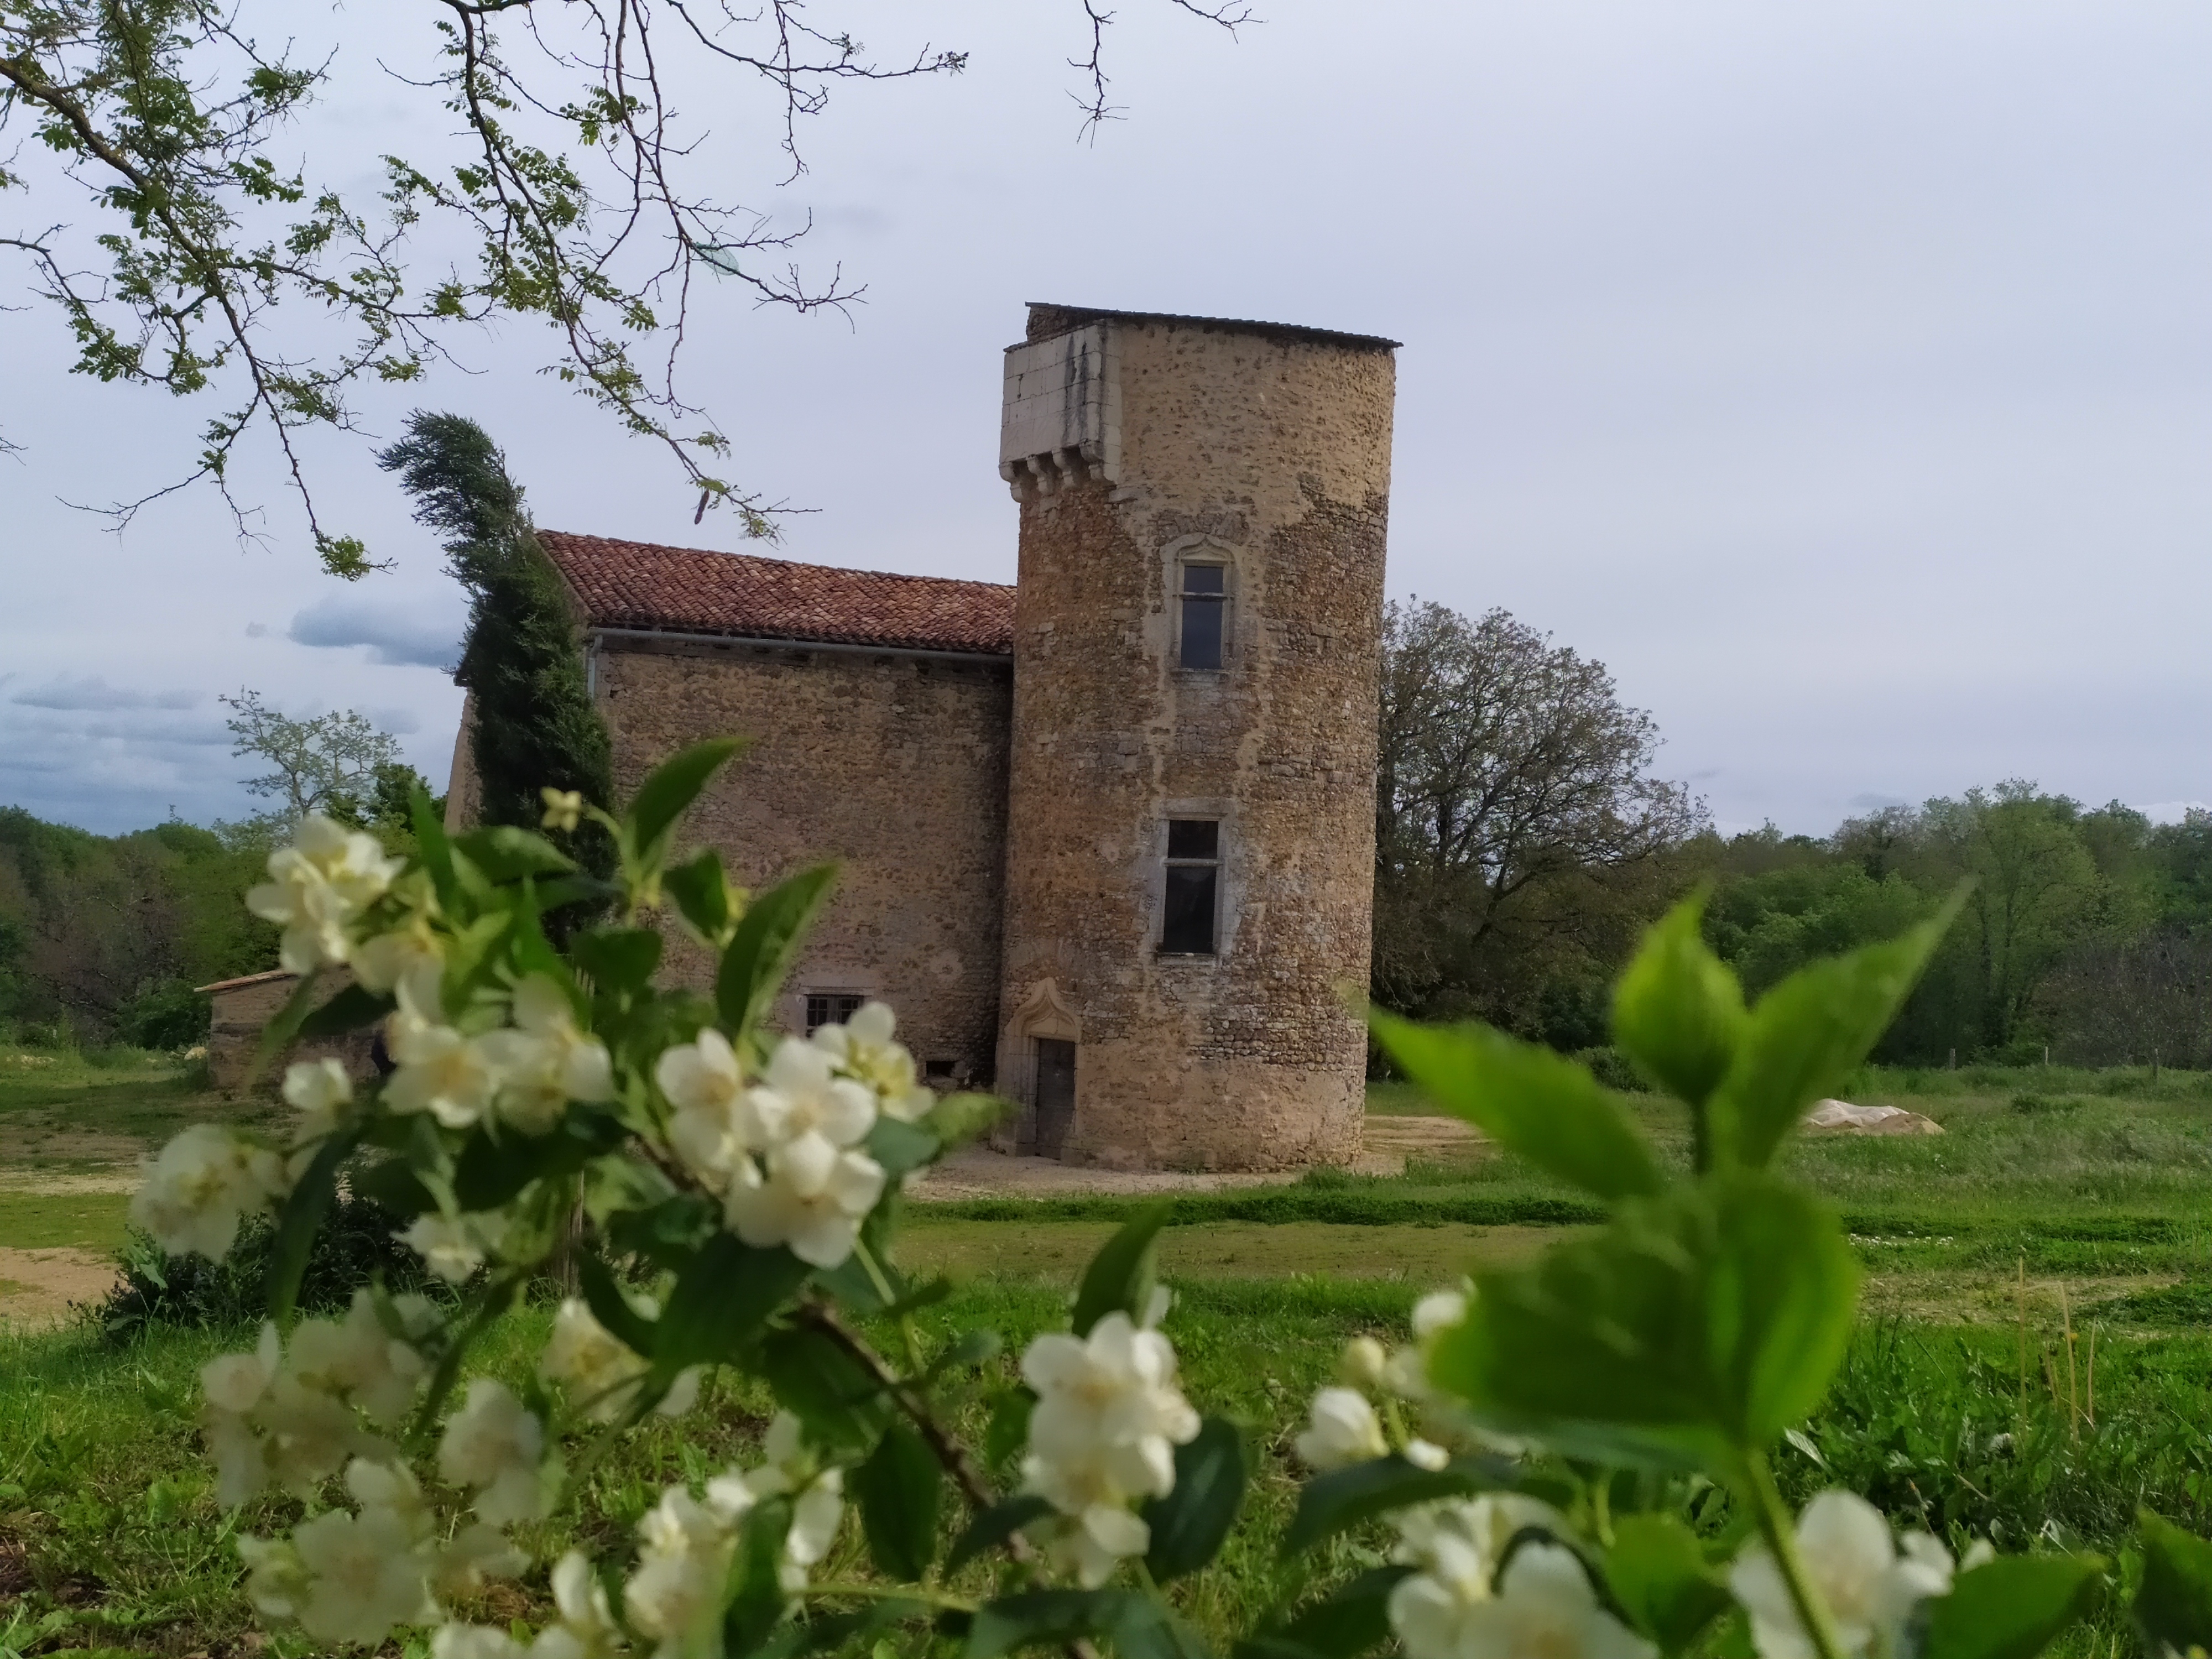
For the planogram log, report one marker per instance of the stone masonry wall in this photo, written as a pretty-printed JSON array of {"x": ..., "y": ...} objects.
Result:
[
  {"x": 1273, "y": 453},
  {"x": 894, "y": 766}
]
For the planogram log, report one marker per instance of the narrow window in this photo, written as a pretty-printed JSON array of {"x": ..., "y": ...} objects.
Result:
[
  {"x": 830, "y": 1008},
  {"x": 1205, "y": 607},
  {"x": 1194, "y": 883},
  {"x": 937, "y": 1071}
]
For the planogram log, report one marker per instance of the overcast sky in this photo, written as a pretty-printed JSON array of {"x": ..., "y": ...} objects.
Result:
[{"x": 1836, "y": 373}]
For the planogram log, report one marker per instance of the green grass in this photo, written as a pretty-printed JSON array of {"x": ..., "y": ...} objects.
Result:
[{"x": 35, "y": 1221}]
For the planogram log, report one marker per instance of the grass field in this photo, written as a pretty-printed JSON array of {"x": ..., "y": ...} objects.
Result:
[{"x": 2095, "y": 1189}]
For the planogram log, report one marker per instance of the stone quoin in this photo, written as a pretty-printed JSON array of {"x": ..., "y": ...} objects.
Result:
[{"x": 1107, "y": 835}]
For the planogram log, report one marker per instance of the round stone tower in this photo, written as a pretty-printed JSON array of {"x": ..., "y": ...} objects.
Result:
[{"x": 1191, "y": 811}]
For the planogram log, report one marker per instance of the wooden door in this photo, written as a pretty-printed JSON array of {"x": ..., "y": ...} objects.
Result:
[{"x": 1055, "y": 1094}]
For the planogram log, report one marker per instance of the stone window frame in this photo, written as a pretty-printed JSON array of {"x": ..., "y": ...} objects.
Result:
[
  {"x": 1228, "y": 886},
  {"x": 1210, "y": 552},
  {"x": 832, "y": 995}
]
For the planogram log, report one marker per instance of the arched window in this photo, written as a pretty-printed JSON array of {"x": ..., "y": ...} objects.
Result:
[{"x": 1204, "y": 588}]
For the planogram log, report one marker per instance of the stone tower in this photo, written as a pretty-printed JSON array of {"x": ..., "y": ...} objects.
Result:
[{"x": 1191, "y": 813}]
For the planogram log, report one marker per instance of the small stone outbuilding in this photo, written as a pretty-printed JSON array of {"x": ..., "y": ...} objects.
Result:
[
  {"x": 1108, "y": 833},
  {"x": 245, "y": 1006}
]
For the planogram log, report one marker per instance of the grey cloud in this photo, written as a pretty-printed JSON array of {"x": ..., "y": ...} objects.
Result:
[
  {"x": 92, "y": 692},
  {"x": 400, "y": 722},
  {"x": 1871, "y": 802},
  {"x": 415, "y": 635},
  {"x": 256, "y": 630}
]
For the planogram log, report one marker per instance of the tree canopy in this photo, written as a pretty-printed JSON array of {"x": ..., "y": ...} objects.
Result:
[{"x": 181, "y": 235}]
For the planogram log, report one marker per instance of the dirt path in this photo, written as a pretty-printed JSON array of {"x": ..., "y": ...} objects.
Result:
[
  {"x": 37, "y": 1286},
  {"x": 977, "y": 1172}
]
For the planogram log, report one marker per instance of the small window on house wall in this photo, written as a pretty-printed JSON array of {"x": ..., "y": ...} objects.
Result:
[
  {"x": 1194, "y": 887},
  {"x": 1204, "y": 615},
  {"x": 830, "y": 1008}
]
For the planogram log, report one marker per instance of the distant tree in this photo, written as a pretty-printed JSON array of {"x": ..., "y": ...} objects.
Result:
[
  {"x": 324, "y": 762},
  {"x": 1515, "y": 808},
  {"x": 534, "y": 725}
]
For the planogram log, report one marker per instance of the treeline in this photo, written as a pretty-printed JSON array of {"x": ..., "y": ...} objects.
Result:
[{"x": 1523, "y": 841}]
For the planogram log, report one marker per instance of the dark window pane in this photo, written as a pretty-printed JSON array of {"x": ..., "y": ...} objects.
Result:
[
  {"x": 830, "y": 1008},
  {"x": 1202, "y": 632},
  {"x": 1203, "y": 579},
  {"x": 1189, "y": 929},
  {"x": 818, "y": 1014},
  {"x": 1194, "y": 838}
]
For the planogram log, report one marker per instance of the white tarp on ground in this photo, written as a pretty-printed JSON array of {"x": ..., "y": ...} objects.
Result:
[{"x": 1869, "y": 1119}]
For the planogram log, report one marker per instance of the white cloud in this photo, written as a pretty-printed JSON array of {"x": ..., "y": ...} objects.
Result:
[
  {"x": 93, "y": 692},
  {"x": 421, "y": 633}
]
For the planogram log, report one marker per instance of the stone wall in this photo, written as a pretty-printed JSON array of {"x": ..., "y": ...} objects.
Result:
[
  {"x": 242, "y": 1007},
  {"x": 894, "y": 765},
  {"x": 1270, "y": 452}
]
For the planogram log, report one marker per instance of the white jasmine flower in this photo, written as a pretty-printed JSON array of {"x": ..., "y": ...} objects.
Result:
[
  {"x": 703, "y": 1082},
  {"x": 793, "y": 1469},
  {"x": 1455, "y": 1546},
  {"x": 1345, "y": 1430},
  {"x": 802, "y": 1099},
  {"x": 1870, "y": 1586},
  {"x": 1427, "y": 1455},
  {"x": 546, "y": 1062},
  {"x": 1361, "y": 1363},
  {"x": 564, "y": 808},
  {"x": 275, "y": 1582},
  {"x": 474, "y": 1642},
  {"x": 496, "y": 1446},
  {"x": 1102, "y": 1436},
  {"x": 810, "y": 1196},
  {"x": 199, "y": 1185},
  {"x": 1544, "y": 1604},
  {"x": 1437, "y": 1312},
  {"x": 358, "y": 1358},
  {"x": 452, "y": 1247},
  {"x": 234, "y": 1383},
  {"x": 308, "y": 1435},
  {"x": 814, "y": 1515},
  {"x": 410, "y": 961},
  {"x": 364, "y": 1574},
  {"x": 321, "y": 1091},
  {"x": 585, "y": 1628},
  {"x": 675, "y": 1596},
  {"x": 316, "y": 886},
  {"x": 601, "y": 1374},
  {"x": 862, "y": 1048},
  {"x": 451, "y": 1077},
  {"x": 477, "y": 1552}
]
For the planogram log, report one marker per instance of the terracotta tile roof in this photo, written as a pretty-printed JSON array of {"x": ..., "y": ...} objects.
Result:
[
  {"x": 688, "y": 591},
  {"x": 245, "y": 980}
]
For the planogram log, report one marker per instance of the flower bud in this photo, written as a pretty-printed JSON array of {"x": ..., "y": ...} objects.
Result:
[{"x": 1361, "y": 1363}]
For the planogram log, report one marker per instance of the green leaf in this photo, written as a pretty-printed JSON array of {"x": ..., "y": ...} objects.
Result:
[
  {"x": 702, "y": 896},
  {"x": 1351, "y": 1619},
  {"x": 2013, "y": 1607},
  {"x": 619, "y": 960},
  {"x": 721, "y": 1299},
  {"x": 1721, "y": 1309},
  {"x": 760, "y": 954},
  {"x": 1008, "y": 1430},
  {"x": 505, "y": 854},
  {"x": 1678, "y": 1012},
  {"x": 899, "y": 1488},
  {"x": 1343, "y": 1498},
  {"x": 612, "y": 1308},
  {"x": 994, "y": 1526},
  {"x": 1660, "y": 1578},
  {"x": 392, "y": 1182},
  {"x": 1189, "y": 1524},
  {"x": 1031, "y": 1617},
  {"x": 900, "y": 1146},
  {"x": 1807, "y": 1035},
  {"x": 662, "y": 799},
  {"x": 564, "y": 891},
  {"x": 755, "y": 1585},
  {"x": 2174, "y": 1604},
  {"x": 1121, "y": 1276},
  {"x": 491, "y": 1302},
  {"x": 432, "y": 849},
  {"x": 492, "y": 1170},
  {"x": 1149, "y": 1629},
  {"x": 348, "y": 1011},
  {"x": 308, "y": 1202},
  {"x": 1529, "y": 1099},
  {"x": 823, "y": 1386},
  {"x": 668, "y": 1234}
]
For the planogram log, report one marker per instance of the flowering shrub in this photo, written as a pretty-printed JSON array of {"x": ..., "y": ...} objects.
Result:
[{"x": 724, "y": 1196}]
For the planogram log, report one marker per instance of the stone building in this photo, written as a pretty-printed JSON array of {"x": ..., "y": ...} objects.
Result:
[{"x": 1107, "y": 835}]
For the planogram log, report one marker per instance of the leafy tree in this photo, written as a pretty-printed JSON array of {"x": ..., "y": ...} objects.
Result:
[
  {"x": 533, "y": 726},
  {"x": 584, "y": 199},
  {"x": 326, "y": 763},
  {"x": 1516, "y": 822}
]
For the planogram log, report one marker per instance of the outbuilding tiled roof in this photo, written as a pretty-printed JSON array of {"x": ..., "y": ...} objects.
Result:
[{"x": 682, "y": 590}]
